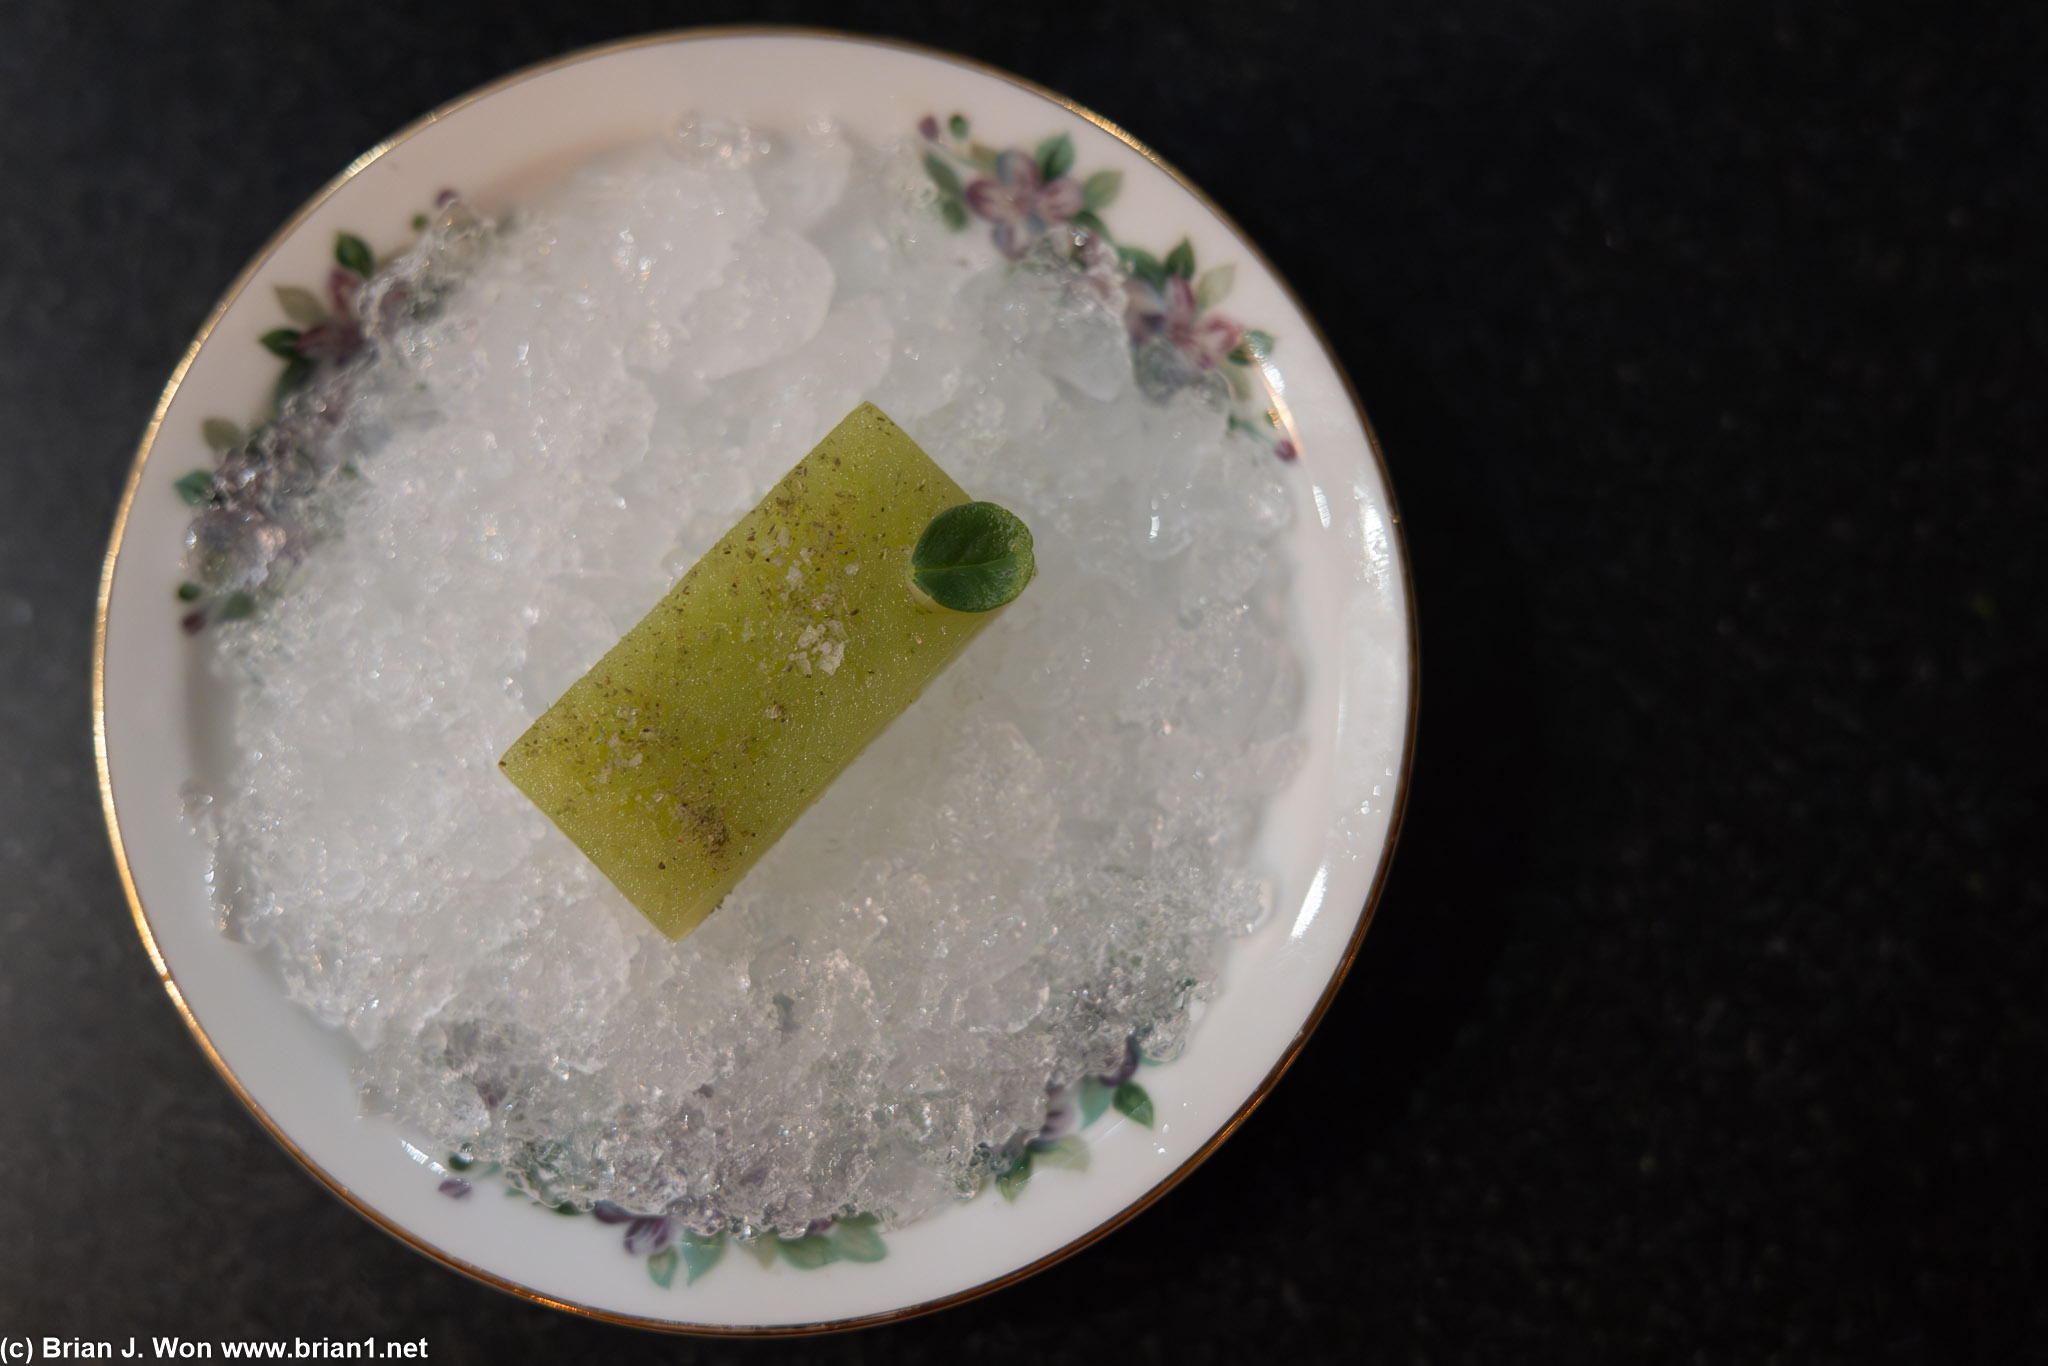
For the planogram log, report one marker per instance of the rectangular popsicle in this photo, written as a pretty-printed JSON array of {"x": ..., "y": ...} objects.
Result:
[{"x": 707, "y": 730}]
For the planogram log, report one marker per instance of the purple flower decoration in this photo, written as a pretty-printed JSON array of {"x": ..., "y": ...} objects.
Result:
[
  {"x": 1174, "y": 313},
  {"x": 1021, "y": 203},
  {"x": 339, "y": 335},
  {"x": 1062, "y": 1116},
  {"x": 455, "y": 1188},
  {"x": 1124, "y": 1070},
  {"x": 645, "y": 1233}
]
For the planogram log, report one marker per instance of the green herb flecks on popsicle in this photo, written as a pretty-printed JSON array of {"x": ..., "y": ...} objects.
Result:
[{"x": 707, "y": 730}]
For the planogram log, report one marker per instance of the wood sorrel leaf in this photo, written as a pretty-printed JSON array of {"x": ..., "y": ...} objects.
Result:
[{"x": 973, "y": 558}]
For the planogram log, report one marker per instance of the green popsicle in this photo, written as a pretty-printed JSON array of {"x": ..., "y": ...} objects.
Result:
[{"x": 707, "y": 730}]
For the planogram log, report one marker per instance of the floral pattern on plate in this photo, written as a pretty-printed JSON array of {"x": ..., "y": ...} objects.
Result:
[
  {"x": 1178, "y": 338},
  {"x": 234, "y": 536},
  {"x": 668, "y": 1243}
]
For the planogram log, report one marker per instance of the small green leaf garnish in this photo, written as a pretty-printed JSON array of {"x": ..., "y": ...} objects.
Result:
[
  {"x": 973, "y": 558},
  {"x": 353, "y": 253}
]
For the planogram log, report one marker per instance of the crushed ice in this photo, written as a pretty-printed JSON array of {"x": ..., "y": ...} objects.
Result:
[{"x": 1042, "y": 862}]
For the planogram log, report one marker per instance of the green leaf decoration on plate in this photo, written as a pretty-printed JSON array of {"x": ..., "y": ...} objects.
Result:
[
  {"x": 1036, "y": 197},
  {"x": 943, "y": 176},
  {"x": 661, "y": 1267},
  {"x": 353, "y": 253},
  {"x": 1068, "y": 1154},
  {"x": 220, "y": 434},
  {"x": 194, "y": 487},
  {"x": 1143, "y": 264},
  {"x": 1131, "y": 1100},
  {"x": 282, "y": 342},
  {"x": 1088, "y": 221},
  {"x": 973, "y": 558},
  {"x": 295, "y": 374},
  {"x": 1095, "y": 1094},
  {"x": 699, "y": 1253},
  {"x": 1011, "y": 1182},
  {"x": 1214, "y": 286},
  {"x": 857, "y": 1240},
  {"x": 809, "y": 1252},
  {"x": 1055, "y": 157},
  {"x": 236, "y": 607},
  {"x": 1100, "y": 190},
  {"x": 302, "y": 306}
]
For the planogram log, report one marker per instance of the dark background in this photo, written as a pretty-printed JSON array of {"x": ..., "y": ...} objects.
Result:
[{"x": 1705, "y": 1007}]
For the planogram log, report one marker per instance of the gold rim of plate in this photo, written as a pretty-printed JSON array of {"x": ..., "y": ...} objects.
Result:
[{"x": 418, "y": 1244}]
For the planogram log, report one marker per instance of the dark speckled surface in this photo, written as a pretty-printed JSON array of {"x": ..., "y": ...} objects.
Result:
[{"x": 1708, "y": 345}]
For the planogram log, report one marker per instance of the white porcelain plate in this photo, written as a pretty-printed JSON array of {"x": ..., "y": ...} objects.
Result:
[{"x": 1329, "y": 837}]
